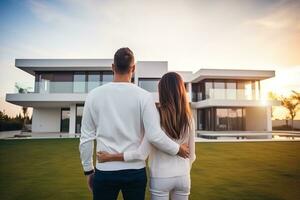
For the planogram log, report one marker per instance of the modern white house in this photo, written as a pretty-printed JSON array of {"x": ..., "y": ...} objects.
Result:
[{"x": 221, "y": 100}]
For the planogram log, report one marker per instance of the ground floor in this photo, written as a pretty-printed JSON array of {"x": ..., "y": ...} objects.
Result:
[
  {"x": 233, "y": 119},
  {"x": 67, "y": 119},
  {"x": 58, "y": 119}
]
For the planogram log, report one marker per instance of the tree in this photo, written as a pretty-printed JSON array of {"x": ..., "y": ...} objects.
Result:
[
  {"x": 291, "y": 105},
  {"x": 25, "y": 115},
  {"x": 296, "y": 96}
]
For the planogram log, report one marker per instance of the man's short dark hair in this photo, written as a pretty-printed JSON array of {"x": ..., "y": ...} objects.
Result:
[{"x": 123, "y": 59}]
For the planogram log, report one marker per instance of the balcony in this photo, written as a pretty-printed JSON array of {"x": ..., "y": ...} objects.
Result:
[
  {"x": 51, "y": 94},
  {"x": 229, "y": 97},
  {"x": 227, "y": 94}
]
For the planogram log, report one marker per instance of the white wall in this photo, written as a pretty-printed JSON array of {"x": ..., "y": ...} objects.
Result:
[
  {"x": 151, "y": 69},
  {"x": 258, "y": 119},
  {"x": 46, "y": 120}
]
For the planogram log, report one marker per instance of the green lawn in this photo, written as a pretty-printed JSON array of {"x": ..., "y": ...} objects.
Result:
[{"x": 50, "y": 169}]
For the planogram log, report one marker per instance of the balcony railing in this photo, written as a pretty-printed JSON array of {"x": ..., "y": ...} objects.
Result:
[
  {"x": 227, "y": 94},
  {"x": 57, "y": 87}
]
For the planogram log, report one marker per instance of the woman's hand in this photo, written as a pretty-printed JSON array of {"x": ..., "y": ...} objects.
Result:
[{"x": 103, "y": 156}]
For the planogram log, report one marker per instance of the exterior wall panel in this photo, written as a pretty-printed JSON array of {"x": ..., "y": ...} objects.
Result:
[{"x": 46, "y": 120}]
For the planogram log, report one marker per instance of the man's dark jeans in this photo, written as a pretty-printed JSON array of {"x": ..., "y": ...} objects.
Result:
[{"x": 108, "y": 184}]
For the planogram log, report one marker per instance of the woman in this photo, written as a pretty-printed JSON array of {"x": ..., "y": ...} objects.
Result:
[{"x": 169, "y": 175}]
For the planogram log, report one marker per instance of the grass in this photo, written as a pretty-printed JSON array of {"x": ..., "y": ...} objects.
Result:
[{"x": 50, "y": 169}]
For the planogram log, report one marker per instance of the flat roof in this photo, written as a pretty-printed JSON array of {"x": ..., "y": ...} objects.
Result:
[
  {"x": 232, "y": 74},
  {"x": 32, "y": 65}
]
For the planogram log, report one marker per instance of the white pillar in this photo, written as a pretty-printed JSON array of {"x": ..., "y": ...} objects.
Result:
[
  {"x": 189, "y": 88},
  {"x": 269, "y": 118},
  {"x": 72, "y": 119}
]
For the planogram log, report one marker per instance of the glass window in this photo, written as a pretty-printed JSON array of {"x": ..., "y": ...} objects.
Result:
[
  {"x": 240, "y": 90},
  {"x": 257, "y": 90},
  {"x": 248, "y": 90},
  {"x": 229, "y": 119},
  {"x": 231, "y": 90},
  {"x": 93, "y": 80},
  {"x": 150, "y": 85},
  {"x": 219, "y": 88},
  {"x": 208, "y": 90},
  {"x": 79, "y": 112},
  {"x": 200, "y": 120},
  {"x": 197, "y": 91},
  {"x": 62, "y": 82},
  {"x": 107, "y": 77},
  {"x": 221, "y": 119},
  {"x": 79, "y": 82},
  {"x": 65, "y": 120}
]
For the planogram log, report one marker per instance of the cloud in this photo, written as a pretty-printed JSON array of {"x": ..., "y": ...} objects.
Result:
[
  {"x": 49, "y": 13},
  {"x": 284, "y": 15}
]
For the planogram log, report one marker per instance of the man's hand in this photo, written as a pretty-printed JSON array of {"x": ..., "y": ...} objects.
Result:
[
  {"x": 184, "y": 151},
  {"x": 90, "y": 180},
  {"x": 103, "y": 156}
]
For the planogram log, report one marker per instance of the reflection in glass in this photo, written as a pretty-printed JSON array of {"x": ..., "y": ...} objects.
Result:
[
  {"x": 219, "y": 90},
  {"x": 221, "y": 119},
  {"x": 79, "y": 112},
  {"x": 208, "y": 90},
  {"x": 151, "y": 85},
  {"x": 79, "y": 82},
  {"x": 248, "y": 90},
  {"x": 107, "y": 77},
  {"x": 93, "y": 80},
  {"x": 231, "y": 90},
  {"x": 65, "y": 120}
]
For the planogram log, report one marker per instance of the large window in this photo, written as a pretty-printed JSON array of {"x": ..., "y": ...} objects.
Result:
[
  {"x": 107, "y": 77},
  {"x": 65, "y": 120},
  {"x": 149, "y": 84},
  {"x": 79, "y": 113},
  {"x": 93, "y": 80},
  {"x": 221, "y": 119},
  {"x": 208, "y": 90},
  {"x": 231, "y": 92},
  {"x": 219, "y": 90},
  {"x": 79, "y": 82},
  {"x": 226, "y": 89},
  {"x": 70, "y": 82}
]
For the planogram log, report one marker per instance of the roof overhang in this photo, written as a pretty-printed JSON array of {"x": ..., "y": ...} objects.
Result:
[
  {"x": 32, "y": 65},
  {"x": 232, "y": 74},
  {"x": 233, "y": 103}
]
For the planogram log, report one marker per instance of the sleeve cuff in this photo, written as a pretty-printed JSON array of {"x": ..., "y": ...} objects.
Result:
[
  {"x": 89, "y": 172},
  {"x": 127, "y": 156},
  {"x": 176, "y": 150}
]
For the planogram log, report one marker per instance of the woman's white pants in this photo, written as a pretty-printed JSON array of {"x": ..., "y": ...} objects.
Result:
[{"x": 178, "y": 188}]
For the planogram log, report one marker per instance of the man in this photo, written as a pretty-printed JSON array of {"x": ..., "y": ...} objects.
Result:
[{"x": 118, "y": 115}]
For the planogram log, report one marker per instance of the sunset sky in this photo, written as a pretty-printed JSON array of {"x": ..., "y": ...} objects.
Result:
[{"x": 189, "y": 34}]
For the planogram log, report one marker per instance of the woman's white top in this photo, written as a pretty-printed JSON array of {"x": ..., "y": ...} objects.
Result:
[{"x": 163, "y": 165}]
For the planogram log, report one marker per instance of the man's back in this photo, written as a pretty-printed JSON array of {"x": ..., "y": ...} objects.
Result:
[{"x": 116, "y": 109}]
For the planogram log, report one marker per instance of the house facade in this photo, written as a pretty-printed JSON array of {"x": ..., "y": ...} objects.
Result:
[{"x": 221, "y": 100}]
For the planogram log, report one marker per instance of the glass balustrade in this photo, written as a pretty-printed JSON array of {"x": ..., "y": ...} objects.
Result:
[
  {"x": 58, "y": 87},
  {"x": 230, "y": 94}
]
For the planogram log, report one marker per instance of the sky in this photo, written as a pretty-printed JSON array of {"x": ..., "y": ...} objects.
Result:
[{"x": 189, "y": 34}]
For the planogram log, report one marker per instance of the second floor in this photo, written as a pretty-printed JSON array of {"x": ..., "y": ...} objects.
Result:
[{"x": 79, "y": 76}]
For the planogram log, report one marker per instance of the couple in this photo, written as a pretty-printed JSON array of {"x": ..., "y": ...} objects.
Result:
[{"x": 128, "y": 127}]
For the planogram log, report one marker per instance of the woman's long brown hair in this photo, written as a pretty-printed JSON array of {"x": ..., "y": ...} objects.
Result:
[{"x": 174, "y": 109}]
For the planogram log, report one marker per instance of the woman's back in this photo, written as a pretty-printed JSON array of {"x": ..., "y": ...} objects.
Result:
[{"x": 165, "y": 165}]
